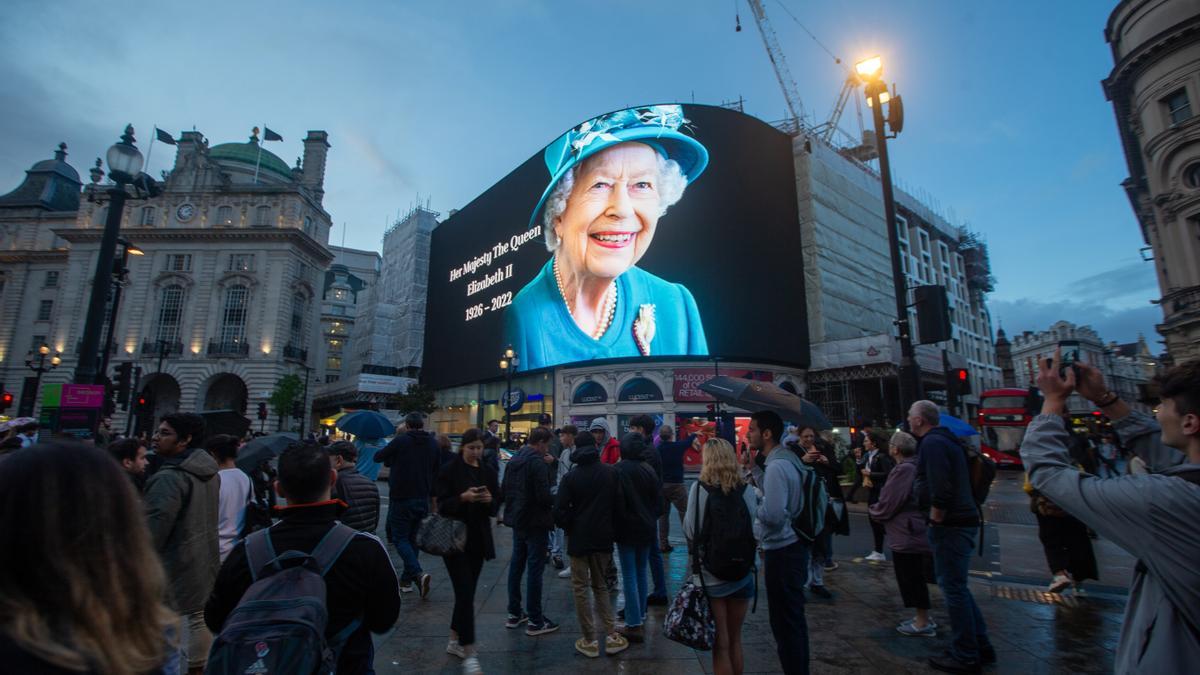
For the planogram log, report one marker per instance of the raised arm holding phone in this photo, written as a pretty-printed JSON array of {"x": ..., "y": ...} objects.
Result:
[{"x": 1154, "y": 516}]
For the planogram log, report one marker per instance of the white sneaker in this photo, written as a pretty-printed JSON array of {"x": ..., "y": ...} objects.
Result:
[
  {"x": 565, "y": 573},
  {"x": 876, "y": 556},
  {"x": 407, "y": 588},
  {"x": 455, "y": 649},
  {"x": 1059, "y": 582},
  {"x": 471, "y": 666}
]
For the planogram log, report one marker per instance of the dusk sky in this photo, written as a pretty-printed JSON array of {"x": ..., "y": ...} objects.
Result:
[{"x": 1006, "y": 125}]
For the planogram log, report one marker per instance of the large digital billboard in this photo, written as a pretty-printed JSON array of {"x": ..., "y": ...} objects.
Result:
[{"x": 655, "y": 231}]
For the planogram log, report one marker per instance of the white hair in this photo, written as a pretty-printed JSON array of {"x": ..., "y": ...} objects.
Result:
[
  {"x": 928, "y": 411},
  {"x": 671, "y": 184}
]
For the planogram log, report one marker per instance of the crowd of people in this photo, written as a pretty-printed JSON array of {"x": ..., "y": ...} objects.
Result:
[{"x": 119, "y": 560}]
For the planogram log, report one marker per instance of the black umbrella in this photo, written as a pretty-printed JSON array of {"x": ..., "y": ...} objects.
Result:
[
  {"x": 753, "y": 395},
  {"x": 262, "y": 449}
]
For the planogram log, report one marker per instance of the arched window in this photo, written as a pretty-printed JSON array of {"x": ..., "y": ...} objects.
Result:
[
  {"x": 262, "y": 216},
  {"x": 170, "y": 313},
  {"x": 233, "y": 315},
  {"x": 225, "y": 216},
  {"x": 148, "y": 213}
]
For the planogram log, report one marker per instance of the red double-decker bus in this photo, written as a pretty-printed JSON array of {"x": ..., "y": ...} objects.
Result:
[{"x": 1002, "y": 421}]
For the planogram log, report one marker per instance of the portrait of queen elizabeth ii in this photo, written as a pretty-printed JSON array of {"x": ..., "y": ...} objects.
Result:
[{"x": 612, "y": 179}]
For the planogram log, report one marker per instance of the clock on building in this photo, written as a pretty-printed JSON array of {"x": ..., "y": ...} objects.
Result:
[{"x": 185, "y": 212}]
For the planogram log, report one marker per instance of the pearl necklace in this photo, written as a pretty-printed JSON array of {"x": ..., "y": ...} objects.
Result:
[{"x": 608, "y": 310}]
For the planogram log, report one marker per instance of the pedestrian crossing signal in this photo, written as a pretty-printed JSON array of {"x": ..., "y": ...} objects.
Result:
[{"x": 6, "y": 400}]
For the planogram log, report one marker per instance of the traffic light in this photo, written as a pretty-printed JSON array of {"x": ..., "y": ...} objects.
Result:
[
  {"x": 6, "y": 401},
  {"x": 124, "y": 380},
  {"x": 933, "y": 314},
  {"x": 961, "y": 379},
  {"x": 262, "y": 411}
]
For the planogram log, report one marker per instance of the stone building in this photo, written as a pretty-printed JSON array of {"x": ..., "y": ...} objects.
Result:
[
  {"x": 1155, "y": 91},
  {"x": 1127, "y": 368},
  {"x": 226, "y": 299}
]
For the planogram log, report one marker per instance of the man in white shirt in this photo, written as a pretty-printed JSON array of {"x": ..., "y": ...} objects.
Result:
[{"x": 236, "y": 492}]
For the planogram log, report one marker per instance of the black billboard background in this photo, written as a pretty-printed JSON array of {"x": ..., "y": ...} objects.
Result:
[{"x": 733, "y": 240}]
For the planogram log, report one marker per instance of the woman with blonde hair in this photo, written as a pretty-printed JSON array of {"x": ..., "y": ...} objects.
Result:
[
  {"x": 725, "y": 563},
  {"x": 81, "y": 588}
]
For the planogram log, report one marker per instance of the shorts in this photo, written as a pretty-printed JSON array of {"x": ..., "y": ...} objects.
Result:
[{"x": 737, "y": 590}]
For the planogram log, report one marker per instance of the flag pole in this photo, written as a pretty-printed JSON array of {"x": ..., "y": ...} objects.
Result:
[
  {"x": 259, "y": 159},
  {"x": 150, "y": 150}
]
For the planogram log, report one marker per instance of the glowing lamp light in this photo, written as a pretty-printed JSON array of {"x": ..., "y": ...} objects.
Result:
[
  {"x": 870, "y": 69},
  {"x": 44, "y": 349},
  {"x": 884, "y": 97},
  {"x": 266, "y": 349}
]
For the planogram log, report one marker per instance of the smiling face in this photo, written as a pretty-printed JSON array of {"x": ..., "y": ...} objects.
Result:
[{"x": 611, "y": 213}]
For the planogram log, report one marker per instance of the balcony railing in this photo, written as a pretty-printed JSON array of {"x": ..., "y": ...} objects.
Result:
[
  {"x": 295, "y": 353},
  {"x": 231, "y": 348},
  {"x": 167, "y": 347}
]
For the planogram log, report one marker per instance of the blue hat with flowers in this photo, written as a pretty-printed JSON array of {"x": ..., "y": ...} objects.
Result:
[{"x": 655, "y": 125}]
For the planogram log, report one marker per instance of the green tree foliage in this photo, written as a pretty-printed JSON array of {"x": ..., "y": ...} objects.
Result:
[
  {"x": 288, "y": 390},
  {"x": 418, "y": 398}
]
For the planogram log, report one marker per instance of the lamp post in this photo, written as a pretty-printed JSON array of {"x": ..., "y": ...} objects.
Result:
[
  {"x": 37, "y": 363},
  {"x": 870, "y": 72},
  {"x": 124, "y": 168},
  {"x": 120, "y": 270},
  {"x": 508, "y": 363}
]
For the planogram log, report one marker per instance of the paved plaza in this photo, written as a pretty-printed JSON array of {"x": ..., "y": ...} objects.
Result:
[{"x": 1034, "y": 632}]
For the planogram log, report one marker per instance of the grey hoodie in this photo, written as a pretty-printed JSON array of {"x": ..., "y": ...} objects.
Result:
[
  {"x": 1154, "y": 517},
  {"x": 181, "y": 503}
]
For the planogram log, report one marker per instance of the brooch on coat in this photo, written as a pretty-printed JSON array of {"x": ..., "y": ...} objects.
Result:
[{"x": 643, "y": 328}]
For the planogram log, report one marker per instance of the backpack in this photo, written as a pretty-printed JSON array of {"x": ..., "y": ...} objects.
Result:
[
  {"x": 726, "y": 541},
  {"x": 279, "y": 624},
  {"x": 814, "y": 501},
  {"x": 981, "y": 471}
]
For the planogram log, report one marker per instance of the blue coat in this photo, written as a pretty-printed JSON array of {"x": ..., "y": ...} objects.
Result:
[{"x": 541, "y": 330}]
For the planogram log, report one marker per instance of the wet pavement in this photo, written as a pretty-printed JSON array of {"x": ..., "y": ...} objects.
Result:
[{"x": 1033, "y": 631}]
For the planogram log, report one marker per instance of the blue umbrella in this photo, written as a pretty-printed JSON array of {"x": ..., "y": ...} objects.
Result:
[
  {"x": 956, "y": 426},
  {"x": 366, "y": 424}
]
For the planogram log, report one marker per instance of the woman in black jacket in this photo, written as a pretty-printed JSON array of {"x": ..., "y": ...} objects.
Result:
[
  {"x": 879, "y": 465},
  {"x": 465, "y": 489},
  {"x": 635, "y": 532}
]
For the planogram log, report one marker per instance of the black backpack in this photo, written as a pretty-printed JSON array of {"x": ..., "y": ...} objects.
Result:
[
  {"x": 727, "y": 544},
  {"x": 279, "y": 624},
  {"x": 981, "y": 471}
]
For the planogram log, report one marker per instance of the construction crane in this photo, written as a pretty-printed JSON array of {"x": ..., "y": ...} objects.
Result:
[
  {"x": 791, "y": 93},
  {"x": 830, "y": 127}
]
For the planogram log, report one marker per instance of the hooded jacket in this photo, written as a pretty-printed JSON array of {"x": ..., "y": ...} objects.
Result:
[
  {"x": 182, "y": 502},
  {"x": 942, "y": 479},
  {"x": 611, "y": 452},
  {"x": 528, "y": 503},
  {"x": 587, "y": 498},
  {"x": 417, "y": 459},
  {"x": 1152, "y": 516},
  {"x": 637, "y": 508}
]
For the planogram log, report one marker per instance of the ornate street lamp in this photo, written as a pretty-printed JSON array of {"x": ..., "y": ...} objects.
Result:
[
  {"x": 37, "y": 363},
  {"x": 125, "y": 171},
  {"x": 508, "y": 363}
]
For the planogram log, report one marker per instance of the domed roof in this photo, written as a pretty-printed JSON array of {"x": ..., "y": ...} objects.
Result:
[
  {"x": 247, "y": 153},
  {"x": 49, "y": 184}
]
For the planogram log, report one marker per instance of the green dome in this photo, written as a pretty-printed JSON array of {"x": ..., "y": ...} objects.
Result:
[{"x": 247, "y": 153}]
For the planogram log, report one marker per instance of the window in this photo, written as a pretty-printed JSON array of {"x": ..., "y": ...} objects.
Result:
[
  {"x": 341, "y": 294},
  {"x": 338, "y": 328},
  {"x": 170, "y": 312},
  {"x": 944, "y": 259},
  {"x": 38, "y": 341},
  {"x": 51, "y": 279},
  {"x": 241, "y": 262},
  {"x": 333, "y": 363},
  {"x": 233, "y": 316},
  {"x": 179, "y": 262},
  {"x": 330, "y": 378},
  {"x": 308, "y": 225},
  {"x": 299, "y": 309},
  {"x": 148, "y": 216},
  {"x": 904, "y": 259},
  {"x": 901, "y": 228},
  {"x": 225, "y": 216},
  {"x": 45, "y": 310},
  {"x": 262, "y": 216},
  {"x": 336, "y": 345},
  {"x": 1191, "y": 175},
  {"x": 1178, "y": 106}
]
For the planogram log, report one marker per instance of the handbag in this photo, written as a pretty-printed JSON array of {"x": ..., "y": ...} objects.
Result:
[
  {"x": 439, "y": 535},
  {"x": 690, "y": 620}
]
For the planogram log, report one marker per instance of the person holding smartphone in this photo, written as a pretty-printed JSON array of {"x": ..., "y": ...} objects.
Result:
[{"x": 467, "y": 489}]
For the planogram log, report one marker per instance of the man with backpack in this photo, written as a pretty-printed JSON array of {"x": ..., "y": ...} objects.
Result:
[
  {"x": 360, "y": 590},
  {"x": 1152, "y": 516},
  {"x": 943, "y": 487},
  {"x": 794, "y": 503}
]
